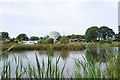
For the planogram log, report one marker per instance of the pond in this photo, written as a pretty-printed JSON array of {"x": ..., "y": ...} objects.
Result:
[{"x": 93, "y": 54}]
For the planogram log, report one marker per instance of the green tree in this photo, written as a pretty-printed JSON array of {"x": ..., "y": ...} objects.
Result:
[
  {"x": 118, "y": 35},
  {"x": 92, "y": 33},
  {"x": 5, "y": 35},
  {"x": 64, "y": 40},
  {"x": 41, "y": 38},
  {"x": 76, "y": 36},
  {"x": 33, "y": 38},
  {"x": 22, "y": 37},
  {"x": 105, "y": 33}
]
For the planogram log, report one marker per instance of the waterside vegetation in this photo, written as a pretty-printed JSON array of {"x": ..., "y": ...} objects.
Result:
[{"x": 83, "y": 69}]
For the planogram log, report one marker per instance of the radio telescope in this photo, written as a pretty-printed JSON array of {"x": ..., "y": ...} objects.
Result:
[{"x": 55, "y": 35}]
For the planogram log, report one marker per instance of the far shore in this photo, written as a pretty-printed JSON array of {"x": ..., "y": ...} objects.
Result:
[{"x": 56, "y": 47}]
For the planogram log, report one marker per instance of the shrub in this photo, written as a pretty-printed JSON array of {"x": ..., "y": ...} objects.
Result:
[
  {"x": 109, "y": 41},
  {"x": 102, "y": 42},
  {"x": 64, "y": 40},
  {"x": 49, "y": 41}
]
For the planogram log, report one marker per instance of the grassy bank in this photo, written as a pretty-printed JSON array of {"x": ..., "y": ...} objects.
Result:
[
  {"x": 93, "y": 45},
  {"x": 68, "y": 47},
  {"x": 21, "y": 47}
]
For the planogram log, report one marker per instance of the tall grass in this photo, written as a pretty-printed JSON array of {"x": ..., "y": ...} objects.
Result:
[
  {"x": 88, "y": 69},
  {"x": 32, "y": 71}
]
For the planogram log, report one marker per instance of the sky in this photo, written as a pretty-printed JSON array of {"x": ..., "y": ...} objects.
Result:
[{"x": 39, "y": 17}]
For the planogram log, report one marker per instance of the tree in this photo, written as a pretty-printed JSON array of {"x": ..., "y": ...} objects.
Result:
[
  {"x": 64, "y": 40},
  {"x": 33, "y": 38},
  {"x": 118, "y": 35},
  {"x": 46, "y": 37},
  {"x": 106, "y": 33},
  {"x": 92, "y": 33},
  {"x": 22, "y": 37},
  {"x": 76, "y": 36},
  {"x": 5, "y": 35},
  {"x": 41, "y": 38},
  {"x": 103, "y": 33}
]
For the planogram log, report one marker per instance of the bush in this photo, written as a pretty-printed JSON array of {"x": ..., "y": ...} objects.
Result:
[
  {"x": 49, "y": 41},
  {"x": 109, "y": 41},
  {"x": 102, "y": 42},
  {"x": 64, "y": 40}
]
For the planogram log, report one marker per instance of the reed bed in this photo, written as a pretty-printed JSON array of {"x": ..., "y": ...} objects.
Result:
[
  {"x": 40, "y": 70},
  {"x": 90, "y": 70}
]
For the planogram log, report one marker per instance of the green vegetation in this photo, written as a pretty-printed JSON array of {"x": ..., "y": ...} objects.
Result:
[
  {"x": 22, "y": 37},
  {"x": 40, "y": 70},
  {"x": 23, "y": 47},
  {"x": 102, "y": 33},
  {"x": 46, "y": 41},
  {"x": 5, "y": 35},
  {"x": 49, "y": 41},
  {"x": 64, "y": 40},
  {"x": 34, "y": 38},
  {"x": 102, "y": 41},
  {"x": 90, "y": 70},
  {"x": 101, "y": 44}
]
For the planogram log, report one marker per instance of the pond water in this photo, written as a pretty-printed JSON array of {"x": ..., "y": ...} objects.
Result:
[{"x": 93, "y": 54}]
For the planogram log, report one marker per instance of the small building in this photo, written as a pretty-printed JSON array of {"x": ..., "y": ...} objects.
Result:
[{"x": 29, "y": 42}]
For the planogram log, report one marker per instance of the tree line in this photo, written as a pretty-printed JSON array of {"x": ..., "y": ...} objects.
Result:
[{"x": 92, "y": 34}]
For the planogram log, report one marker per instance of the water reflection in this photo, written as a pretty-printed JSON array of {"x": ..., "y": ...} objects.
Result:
[
  {"x": 99, "y": 54},
  {"x": 63, "y": 54}
]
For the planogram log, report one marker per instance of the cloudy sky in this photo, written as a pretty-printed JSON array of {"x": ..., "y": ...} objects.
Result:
[{"x": 39, "y": 17}]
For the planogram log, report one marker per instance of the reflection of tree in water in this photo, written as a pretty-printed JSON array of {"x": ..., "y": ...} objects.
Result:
[
  {"x": 64, "y": 54},
  {"x": 48, "y": 53},
  {"x": 4, "y": 57},
  {"x": 98, "y": 54}
]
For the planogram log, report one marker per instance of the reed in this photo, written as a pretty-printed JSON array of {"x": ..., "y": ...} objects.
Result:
[
  {"x": 89, "y": 69},
  {"x": 31, "y": 71}
]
